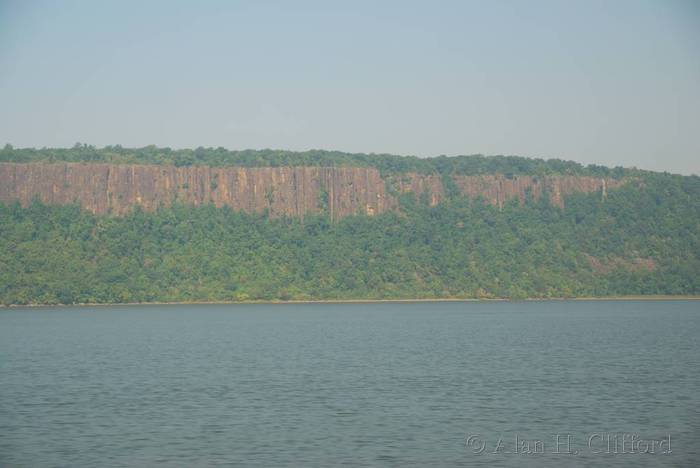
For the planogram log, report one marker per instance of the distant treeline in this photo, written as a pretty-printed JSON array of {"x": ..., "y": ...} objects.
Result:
[
  {"x": 643, "y": 239},
  {"x": 386, "y": 163}
]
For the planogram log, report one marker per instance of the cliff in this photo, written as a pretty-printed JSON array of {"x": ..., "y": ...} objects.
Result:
[
  {"x": 497, "y": 189},
  {"x": 291, "y": 191}
]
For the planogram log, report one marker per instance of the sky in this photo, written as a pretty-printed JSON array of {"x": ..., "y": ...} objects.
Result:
[{"x": 604, "y": 82}]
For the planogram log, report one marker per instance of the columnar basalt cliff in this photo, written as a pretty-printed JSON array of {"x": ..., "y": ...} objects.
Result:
[
  {"x": 497, "y": 189},
  {"x": 290, "y": 191},
  {"x": 115, "y": 189}
]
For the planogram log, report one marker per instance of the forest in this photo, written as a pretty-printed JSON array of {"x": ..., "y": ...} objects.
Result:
[
  {"x": 385, "y": 163},
  {"x": 642, "y": 239}
]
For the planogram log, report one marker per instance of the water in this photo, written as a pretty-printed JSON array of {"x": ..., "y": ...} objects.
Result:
[{"x": 356, "y": 384}]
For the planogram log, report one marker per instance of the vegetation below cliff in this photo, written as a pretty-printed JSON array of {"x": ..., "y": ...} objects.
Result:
[{"x": 643, "y": 239}]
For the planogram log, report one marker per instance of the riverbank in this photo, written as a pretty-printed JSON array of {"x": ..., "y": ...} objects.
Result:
[{"x": 368, "y": 301}]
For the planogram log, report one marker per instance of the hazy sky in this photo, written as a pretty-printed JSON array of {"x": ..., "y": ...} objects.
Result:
[{"x": 608, "y": 82}]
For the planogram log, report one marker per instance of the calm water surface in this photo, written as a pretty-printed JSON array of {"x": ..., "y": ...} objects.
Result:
[{"x": 355, "y": 384}]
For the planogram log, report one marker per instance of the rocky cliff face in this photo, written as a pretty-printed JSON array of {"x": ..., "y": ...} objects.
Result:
[
  {"x": 497, "y": 189},
  {"x": 291, "y": 191},
  {"x": 115, "y": 189}
]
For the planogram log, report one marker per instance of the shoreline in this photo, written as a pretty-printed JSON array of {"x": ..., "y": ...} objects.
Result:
[{"x": 363, "y": 301}]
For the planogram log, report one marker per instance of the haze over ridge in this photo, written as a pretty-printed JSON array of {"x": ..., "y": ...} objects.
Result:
[{"x": 595, "y": 82}]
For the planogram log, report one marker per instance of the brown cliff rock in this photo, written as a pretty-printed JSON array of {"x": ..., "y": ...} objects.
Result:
[
  {"x": 290, "y": 191},
  {"x": 497, "y": 189},
  {"x": 105, "y": 188}
]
